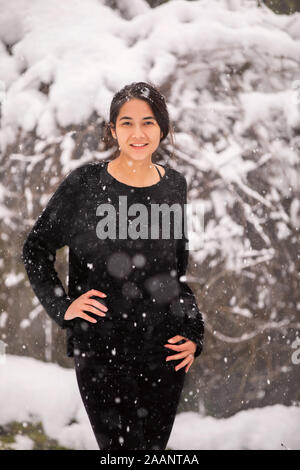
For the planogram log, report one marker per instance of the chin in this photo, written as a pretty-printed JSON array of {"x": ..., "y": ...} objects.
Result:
[
  {"x": 136, "y": 156},
  {"x": 139, "y": 157}
]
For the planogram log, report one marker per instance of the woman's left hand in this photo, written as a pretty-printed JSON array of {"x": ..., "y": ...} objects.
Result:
[{"x": 186, "y": 350}]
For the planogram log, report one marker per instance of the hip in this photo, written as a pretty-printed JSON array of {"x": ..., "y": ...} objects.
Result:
[{"x": 126, "y": 342}]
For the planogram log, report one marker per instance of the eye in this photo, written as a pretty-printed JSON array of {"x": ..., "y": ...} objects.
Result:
[{"x": 146, "y": 122}]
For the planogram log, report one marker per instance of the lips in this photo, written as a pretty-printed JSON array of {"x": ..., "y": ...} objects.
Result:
[{"x": 138, "y": 146}]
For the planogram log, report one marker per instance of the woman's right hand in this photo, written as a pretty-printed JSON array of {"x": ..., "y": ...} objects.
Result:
[{"x": 85, "y": 303}]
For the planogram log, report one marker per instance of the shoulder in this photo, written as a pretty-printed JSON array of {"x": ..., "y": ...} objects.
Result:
[
  {"x": 82, "y": 174},
  {"x": 177, "y": 178},
  {"x": 85, "y": 169},
  {"x": 73, "y": 186}
]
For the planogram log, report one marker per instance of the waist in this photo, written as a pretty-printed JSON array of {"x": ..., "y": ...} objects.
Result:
[{"x": 119, "y": 304}]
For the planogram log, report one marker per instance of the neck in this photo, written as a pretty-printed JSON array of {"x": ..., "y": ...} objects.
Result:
[{"x": 131, "y": 167}]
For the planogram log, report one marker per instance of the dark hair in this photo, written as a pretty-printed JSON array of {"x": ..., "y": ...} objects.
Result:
[{"x": 143, "y": 91}]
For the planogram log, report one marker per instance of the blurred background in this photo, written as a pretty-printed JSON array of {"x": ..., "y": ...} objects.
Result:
[{"x": 230, "y": 72}]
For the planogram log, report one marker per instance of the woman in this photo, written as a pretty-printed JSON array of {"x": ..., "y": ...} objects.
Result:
[{"x": 133, "y": 328}]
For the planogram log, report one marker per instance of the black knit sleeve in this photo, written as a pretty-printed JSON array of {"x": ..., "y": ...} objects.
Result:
[
  {"x": 193, "y": 327},
  {"x": 50, "y": 232}
]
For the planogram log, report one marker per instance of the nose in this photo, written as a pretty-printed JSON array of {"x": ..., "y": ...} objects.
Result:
[{"x": 138, "y": 131}]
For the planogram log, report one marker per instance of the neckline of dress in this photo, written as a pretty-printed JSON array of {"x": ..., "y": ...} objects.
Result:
[{"x": 136, "y": 187}]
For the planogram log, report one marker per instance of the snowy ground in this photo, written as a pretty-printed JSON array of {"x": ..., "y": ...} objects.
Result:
[{"x": 31, "y": 390}]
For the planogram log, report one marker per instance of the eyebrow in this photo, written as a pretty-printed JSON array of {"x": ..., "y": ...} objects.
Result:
[{"x": 128, "y": 117}]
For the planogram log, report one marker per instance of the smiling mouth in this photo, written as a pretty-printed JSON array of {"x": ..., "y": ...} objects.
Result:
[{"x": 138, "y": 146}]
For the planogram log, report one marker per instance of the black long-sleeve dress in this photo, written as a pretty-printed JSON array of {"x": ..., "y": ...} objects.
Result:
[{"x": 141, "y": 276}]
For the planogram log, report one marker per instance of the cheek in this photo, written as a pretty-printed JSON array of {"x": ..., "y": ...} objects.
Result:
[
  {"x": 154, "y": 134},
  {"x": 123, "y": 136}
]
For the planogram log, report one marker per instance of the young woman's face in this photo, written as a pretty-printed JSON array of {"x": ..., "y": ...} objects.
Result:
[{"x": 136, "y": 124}]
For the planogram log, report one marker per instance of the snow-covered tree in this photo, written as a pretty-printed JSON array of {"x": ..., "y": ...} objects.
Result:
[{"x": 230, "y": 73}]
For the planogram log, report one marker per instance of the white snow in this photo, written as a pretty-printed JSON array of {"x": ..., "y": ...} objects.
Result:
[
  {"x": 81, "y": 55},
  {"x": 258, "y": 428},
  {"x": 84, "y": 52},
  {"x": 34, "y": 391}
]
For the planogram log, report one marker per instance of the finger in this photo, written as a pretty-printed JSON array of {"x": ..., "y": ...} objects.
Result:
[
  {"x": 178, "y": 347},
  {"x": 87, "y": 317},
  {"x": 175, "y": 347},
  {"x": 97, "y": 304},
  {"x": 96, "y": 292},
  {"x": 188, "y": 366},
  {"x": 177, "y": 356},
  {"x": 92, "y": 309},
  {"x": 175, "y": 339},
  {"x": 183, "y": 363}
]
